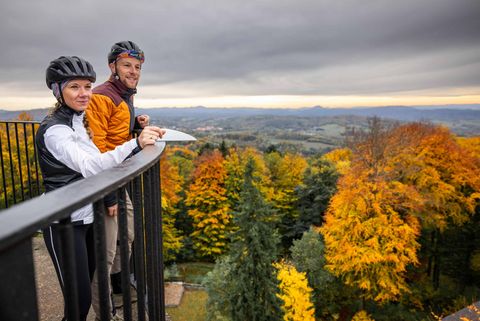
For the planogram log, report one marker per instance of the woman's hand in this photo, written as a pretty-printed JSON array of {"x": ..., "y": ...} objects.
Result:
[{"x": 149, "y": 135}]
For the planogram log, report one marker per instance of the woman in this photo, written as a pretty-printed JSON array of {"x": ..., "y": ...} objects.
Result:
[{"x": 67, "y": 154}]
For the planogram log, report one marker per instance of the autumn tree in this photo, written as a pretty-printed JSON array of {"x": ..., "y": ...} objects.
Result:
[
  {"x": 331, "y": 298},
  {"x": 171, "y": 186},
  {"x": 235, "y": 164},
  {"x": 234, "y": 178},
  {"x": 295, "y": 293},
  {"x": 362, "y": 316},
  {"x": 401, "y": 179},
  {"x": 445, "y": 172},
  {"x": 341, "y": 158},
  {"x": 208, "y": 206},
  {"x": 20, "y": 174},
  {"x": 182, "y": 158},
  {"x": 286, "y": 174},
  {"x": 370, "y": 231}
]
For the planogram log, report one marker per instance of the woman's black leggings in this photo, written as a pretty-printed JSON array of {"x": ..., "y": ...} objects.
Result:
[{"x": 84, "y": 262}]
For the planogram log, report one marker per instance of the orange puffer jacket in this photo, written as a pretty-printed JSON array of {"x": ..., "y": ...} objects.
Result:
[{"x": 111, "y": 114}]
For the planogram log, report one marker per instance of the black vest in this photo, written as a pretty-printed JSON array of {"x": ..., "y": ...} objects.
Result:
[{"x": 55, "y": 174}]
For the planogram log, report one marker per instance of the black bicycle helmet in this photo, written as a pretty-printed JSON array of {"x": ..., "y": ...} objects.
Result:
[
  {"x": 128, "y": 47},
  {"x": 69, "y": 67}
]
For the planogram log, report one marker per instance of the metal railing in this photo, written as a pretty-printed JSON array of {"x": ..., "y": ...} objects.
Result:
[
  {"x": 20, "y": 175},
  {"x": 141, "y": 174}
]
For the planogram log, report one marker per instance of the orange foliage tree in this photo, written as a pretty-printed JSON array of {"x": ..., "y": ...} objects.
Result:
[
  {"x": 401, "y": 179},
  {"x": 444, "y": 173}
]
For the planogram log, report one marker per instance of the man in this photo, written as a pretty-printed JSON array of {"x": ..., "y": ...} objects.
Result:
[{"x": 112, "y": 119}]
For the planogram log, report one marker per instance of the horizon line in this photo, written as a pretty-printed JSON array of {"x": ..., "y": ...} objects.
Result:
[{"x": 272, "y": 108}]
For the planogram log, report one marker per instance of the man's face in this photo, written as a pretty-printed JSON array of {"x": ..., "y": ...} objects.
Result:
[{"x": 128, "y": 71}]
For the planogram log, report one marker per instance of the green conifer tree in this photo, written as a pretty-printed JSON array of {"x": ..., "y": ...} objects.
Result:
[
  {"x": 319, "y": 185},
  {"x": 254, "y": 249}
]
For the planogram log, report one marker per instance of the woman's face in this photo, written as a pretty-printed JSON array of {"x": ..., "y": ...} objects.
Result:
[{"x": 77, "y": 94}]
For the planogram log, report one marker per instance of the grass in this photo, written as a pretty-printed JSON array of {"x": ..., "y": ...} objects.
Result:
[
  {"x": 191, "y": 308},
  {"x": 193, "y": 272},
  {"x": 193, "y": 304}
]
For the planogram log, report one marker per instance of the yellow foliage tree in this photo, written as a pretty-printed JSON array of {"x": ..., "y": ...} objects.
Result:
[
  {"x": 368, "y": 241},
  {"x": 341, "y": 158},
  {"x": 171, "y": 185},
  {"x": 285, "y": 174},
  {"x": 209, "y": 206},
  {"x": 20, "y": 173},
  {"x": 235, "y": 164},
  {"x": 362, "y": 316},
  {"x": 295, "y": 294}
]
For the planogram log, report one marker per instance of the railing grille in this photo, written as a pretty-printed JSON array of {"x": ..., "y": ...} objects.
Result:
[
  {"x": 21, "y": 178},
  {"x": 20, "y": 222}
]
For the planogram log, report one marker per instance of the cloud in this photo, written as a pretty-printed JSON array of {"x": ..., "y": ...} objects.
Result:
[{"x": 273, "y": 47}]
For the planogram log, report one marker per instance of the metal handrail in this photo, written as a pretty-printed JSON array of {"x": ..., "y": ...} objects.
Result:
[{"x": 28, "y": 217}]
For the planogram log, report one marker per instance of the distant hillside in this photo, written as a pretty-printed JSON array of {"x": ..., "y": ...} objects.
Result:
[
  {"x": 464, "y": 120},
  {"x": 37, "y": 114},
  {"x": 403, "y": 113},
  {"x": 309, "y": 130}
]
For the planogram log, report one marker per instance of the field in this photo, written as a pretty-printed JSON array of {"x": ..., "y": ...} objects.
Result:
[{"x": 191, "y": 308}]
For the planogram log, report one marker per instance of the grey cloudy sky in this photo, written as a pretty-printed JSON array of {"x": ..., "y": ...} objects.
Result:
[{"x": 256, "y": 53}]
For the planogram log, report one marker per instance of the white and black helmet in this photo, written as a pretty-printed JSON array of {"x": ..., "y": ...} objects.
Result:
[{"x": 66, "y": 68}]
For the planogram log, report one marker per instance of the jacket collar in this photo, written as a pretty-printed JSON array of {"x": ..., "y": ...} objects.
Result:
[
  {"x": 67, "y": 111},
  {"x": 67, "y": 114},
  {"x": 123, "y": 90}
]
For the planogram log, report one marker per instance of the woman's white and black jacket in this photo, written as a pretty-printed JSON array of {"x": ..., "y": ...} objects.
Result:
[{"x": 66, "y": 154}]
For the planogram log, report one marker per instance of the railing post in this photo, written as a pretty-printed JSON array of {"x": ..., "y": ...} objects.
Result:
[
  {"x": 150, "y": 246},
  {"x": 4, "y": 179},
  {"x": 12, "y": 169},
  {"x": 35, "y": 158},
  {"x": 139, "y": 246},
  {"x": 69, "y": 266},
  {"x": 19, "y": 157},
  {"x": 124, "y": 257},
  {"x": 156, "y": 197},
  {"x": 18, "y": 296},
  {"x": 101, "y": 272},
  {"x": 27, "y": 157}
]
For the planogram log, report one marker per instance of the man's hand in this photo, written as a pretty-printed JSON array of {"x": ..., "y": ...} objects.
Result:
[
  {"x": 112, "y": 210},
  {"x": 143, "y": 120}
]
